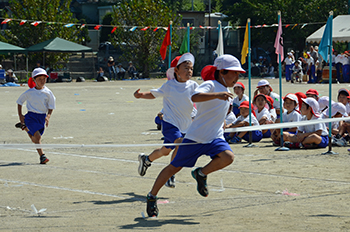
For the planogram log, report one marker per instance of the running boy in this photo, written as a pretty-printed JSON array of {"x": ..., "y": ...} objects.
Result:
[
  {"x": 177, "y": 109},
  {"x": 206, "y": 130},
  {"x": 40, "y": 104}
]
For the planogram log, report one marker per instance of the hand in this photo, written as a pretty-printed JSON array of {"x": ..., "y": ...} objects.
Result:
[
  {"x": 256, "y": 92},
  {"x": 137, "y": 94},
  {"x": 21, "y": 118},
  {"x": 47, "y": 120},
  {"x": 224, "y": 96}
]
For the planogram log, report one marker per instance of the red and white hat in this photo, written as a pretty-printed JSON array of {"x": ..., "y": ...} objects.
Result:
[
  {"x": 323, "y": 102},
  {"x": 337, "y": 107},
  {"x": 344, "y": 90},
  {"x": 176, "y": 62},
  {"x": 312, "y": 91},
  {"x": 245, "y": 104},
  {"x": 293, "y": 97},
  {"x": 39, "y": 71},
  {"x": 313, "y": 104},
  {"x": 239, "y": 84},
  {"x": 264, "y": 82},
  {"x": 223, "y": 62}
]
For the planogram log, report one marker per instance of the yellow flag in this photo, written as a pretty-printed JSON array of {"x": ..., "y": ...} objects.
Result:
[{"x": 245, "y": 48}]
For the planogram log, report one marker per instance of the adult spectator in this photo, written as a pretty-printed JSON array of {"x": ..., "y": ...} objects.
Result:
[
  {"x": 11, "y": 77},
  {"x": 346, "y": 67},
  {"x": 120, "y": 71},
  {"x": 338, "y": 64},
  {"x": 132, "y": 71},
  {"x": 319, "y": 65},
  {"x": 111, "y": 68}
]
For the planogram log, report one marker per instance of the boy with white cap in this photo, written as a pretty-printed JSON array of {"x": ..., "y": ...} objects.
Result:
[
  {"x": 309, "y": 136},
  {"x": 264, "y": 87},
  {"x": 288, "y": 62},
  {"x": 40, "y": 104},
  {"x": 206, "y": 130},
  {"x": 177, "y": 109}
]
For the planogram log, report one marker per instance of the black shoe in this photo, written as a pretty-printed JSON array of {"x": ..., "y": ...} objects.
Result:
[
  {"x": 43, "y": 159},
  {"x": 171, "y": 182},
  {"x": 152, "y": 209},
  {"x": 201, "y": 183},
  {"x": 143, "y": 165}
]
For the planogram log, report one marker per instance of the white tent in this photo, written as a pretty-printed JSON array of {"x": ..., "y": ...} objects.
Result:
[{"x": 341, "y": 30}]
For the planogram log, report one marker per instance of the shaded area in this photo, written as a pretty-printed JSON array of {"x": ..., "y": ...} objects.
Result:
[{"x": 152, "y": 223}]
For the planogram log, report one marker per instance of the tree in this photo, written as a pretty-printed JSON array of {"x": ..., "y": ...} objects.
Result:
[
  {"x": 49, "y": 12},
  {"x": 142, "y": 47}
]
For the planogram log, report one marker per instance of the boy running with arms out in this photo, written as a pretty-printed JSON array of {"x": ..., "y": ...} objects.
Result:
[
  {"x": 40, "y": 104},
  {"x": 206, "y": 130}
]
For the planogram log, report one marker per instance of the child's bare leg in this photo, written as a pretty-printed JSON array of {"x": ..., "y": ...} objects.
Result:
[
  {"x": 222, "y": 160},
  {"x": 163, "y": 151},
  {"x": 316, "y": 139},
  {"x": 163, "y": 177},
  {"x": 178, "y": 140},
  {"x": 241, "y": 134},
  {"x": 36, "y": 138},
  {"x": 286, "y": 136}
]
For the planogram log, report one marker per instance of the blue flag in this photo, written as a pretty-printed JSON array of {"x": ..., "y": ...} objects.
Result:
[{"x": 326, "y": 41}]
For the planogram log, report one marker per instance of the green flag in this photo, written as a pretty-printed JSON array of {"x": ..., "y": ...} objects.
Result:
[{"x": 183, "y": 48}]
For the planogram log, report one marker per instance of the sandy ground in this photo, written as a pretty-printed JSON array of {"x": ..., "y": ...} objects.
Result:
[{"x": 99, "y": 189}]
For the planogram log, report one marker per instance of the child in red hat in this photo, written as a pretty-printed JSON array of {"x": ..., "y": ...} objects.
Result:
[{"x": 238, "y": 88}]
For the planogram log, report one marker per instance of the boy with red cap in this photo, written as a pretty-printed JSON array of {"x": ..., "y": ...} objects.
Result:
[
  {"x": 309, "y": 136},
  {"x": 177, "y": 109},
  {"x": 262, "y": 113},
  {"x": 205, "y": 134},
  {"x": 238, "y": 88},
  {"x": 241, "y": 121},
  {"x": 312, "y": 93},
  {"x": 40, "y": 104}
]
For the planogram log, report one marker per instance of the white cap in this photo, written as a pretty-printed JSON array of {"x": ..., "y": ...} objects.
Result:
[
  {"x": 337, "y": 107},
  {"x": 289, "y": 54},
  {"x": 110, "y": 58},
  {"x": 39, "y": 71},
  {"x": 263, "y": 82},
  {"x": 293, "y": 97},
  {"x": 313, "y": 104},
  {"x": 228, "y": 62},
  {"x": 323, "y": 102},
  {"x": 185, "y": 57}
]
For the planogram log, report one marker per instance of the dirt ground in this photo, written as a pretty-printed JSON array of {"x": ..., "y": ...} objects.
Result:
[{"x": 99, "y": 189}]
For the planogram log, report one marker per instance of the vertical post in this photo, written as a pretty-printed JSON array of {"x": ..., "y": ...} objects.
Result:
[
  {"x": 249, "y": 83},
  {"x": 170, "y": 28},
  {"x": 188, "y": 37},
  {"x": 330, "y": 82},
  {"x": 280, "y": 85}
]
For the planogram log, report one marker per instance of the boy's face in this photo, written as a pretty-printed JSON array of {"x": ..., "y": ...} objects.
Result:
[
  {"x": 230, "y": 78},
  {"x": 184, "y": 71},
  {"x": 342, "y": 98},
  {"x": 264, "y": 89},
  {"x": 305, "y": 109},
  {"x": 238, "y": 90},
  {"x": 288, "y": 104},
  {"x": 244, "y": 111},
  {"x": 40, "y": 81},
  {"x": 260, "y": 102}
]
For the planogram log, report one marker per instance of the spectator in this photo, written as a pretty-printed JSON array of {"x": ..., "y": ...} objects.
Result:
[
  {"x": 11, "y": 77},
  {"x": 111, "y": 68},
  {"x": 132, "y": 71},
  {"x": 120, "y": 71}
]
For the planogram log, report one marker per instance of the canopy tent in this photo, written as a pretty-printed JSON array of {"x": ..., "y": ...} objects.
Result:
[
  {"x": 9, "y": 48},
  {"x": 341, "y": 30},
  {"x": 58, "y": 45}
]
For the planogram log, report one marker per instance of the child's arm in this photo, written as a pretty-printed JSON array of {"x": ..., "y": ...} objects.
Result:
[
  {"x": 48, "y": 116},
  {"x": 301, "y": 135},
  {"x": 262, "y": 120},
  {"x": 201, "y": 97},
  {"x": 240, "y": 124},
  {"x": 20, "y": 115},
  {"x": 145, "y": 95}
]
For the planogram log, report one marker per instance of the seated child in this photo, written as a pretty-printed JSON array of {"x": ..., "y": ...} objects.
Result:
[
  {"x": 309, "y": 136},
  {"x": 272, "y": 110},
  {"x": 297, "y": 72},
  {"x": 312, "y": 93},
  {"x": 290, "y": 115},
  {"x": 300, "y": 96},
  {"x": 158, "y": 120},
  {"x": 230, "y": 118},
  {"x": 243, "y": 120},
  {"x": 238, "y": 88},
  {"x": 262, "y": 114}
]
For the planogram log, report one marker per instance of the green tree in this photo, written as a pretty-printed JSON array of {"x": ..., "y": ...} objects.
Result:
[
  {"x": 142, "y": 47},
  {"x": 106, "y": 31},
  {"x": 49, "y": 12}
]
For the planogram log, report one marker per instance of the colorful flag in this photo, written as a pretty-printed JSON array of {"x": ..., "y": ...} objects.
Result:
[
  {"x": 97, "y": 27},
  {"x": 113, "y": 30},
  {"x": 245, "y": 48},
  {"x": 82, "y": 26},
  {"x": 323, "y": 48},
  {"x": 184, "y": 48},
  {"x": 165, "y": 44},
  {"x": 220, "y": 47},
  {"x": 22, "y": 22},
  {"x": 294, "y": 26},
  {"x": 279, "y": 41},
  {"x": 69, "y": 25},
  {"x": 36, "y": 23},
  {"x": 303, "y": 25},
  {"x": 144, "y": 29},
  {"x": 6, "y": 21},
  {"x": 156, "y": 29},
  {"x": 133, "y": 28}
]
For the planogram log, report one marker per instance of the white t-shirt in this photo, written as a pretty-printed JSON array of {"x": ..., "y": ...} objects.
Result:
[
  {"x": 273, "y": 114},
  {"x": 293, "y": 116},
  {"x": 339, "y": 59},
  {"x": 288, "y": 61},
  {"x": 209, "y": 121},
  {"x": 310, "y": 61},
  {"x": 237, "y": 102},
  {"x": 255, "y": 122},
  {"x": 177, "y": 104},
  {"x": 314, "y": 127},
  {"x": 230, "y": 118},
  {"x": 276, "y": 100},
  {"x": 325, "y": 114},
  {"x": 38, "y": 100},
  {"x": 262, "y": 113}
]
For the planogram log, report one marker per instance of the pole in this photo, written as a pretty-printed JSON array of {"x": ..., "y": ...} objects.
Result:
[
  {"x": 170, "y": 28},
  {"x": 188, "y": 37}
]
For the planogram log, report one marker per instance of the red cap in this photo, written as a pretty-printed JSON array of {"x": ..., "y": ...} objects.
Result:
[
  {"x": 260, "y": 94},
  {"x": 312, "y": 91},
  {"x": 207, "y": 72},
  {"x": 300, "y": 96},
  {"x": 239, "y": 84},
  {"x": 173, "y": 63},
  {"x": 245, "y": 104},
  {"x": 270, "y": 101}
]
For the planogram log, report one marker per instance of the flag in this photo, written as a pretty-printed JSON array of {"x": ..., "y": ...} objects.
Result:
[
  {"x": 69, "y": 25},
  {"x": 323, "y": 48},
  {"x": 165, "y": 44},
  {"x": 303, "y": 25},
  {"x": 279, "y": 41},
  {"x": 113, "y": 30},
  {"x": 97, "y": 27},
  {"x": 184, "y": 48},
  {"x": 294, "y": 26},
  {"x": 6, "y": 21},
  {"x": 36, "y": 23},
  {"x": 220, "y": 47},
  {"x": 245, "y": 48},
  {"x": 82, "y": 26},
  {"x": 144, "y": 29},
  {"x": 133, "y": 28},
  {"x": 22, "y": 22},
  {"x": 156, "y": 29}
]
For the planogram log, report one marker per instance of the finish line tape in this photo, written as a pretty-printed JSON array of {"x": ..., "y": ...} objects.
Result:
[{"x": 238, "y": 129}]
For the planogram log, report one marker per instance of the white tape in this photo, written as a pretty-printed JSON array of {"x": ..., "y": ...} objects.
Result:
[{"x": 284, "y": 125}]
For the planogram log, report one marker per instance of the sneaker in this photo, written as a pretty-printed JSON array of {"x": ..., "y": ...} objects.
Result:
[
  {"x": 292, "y": 145},
  {"x": 234, "y": 140},
  {"x": 43, "y": 159},
  {"x": 152, "y": 208},
  {"x": 171, "y": 182},
  {"x": 310, "y": 146},
  {"x": 201, "y": 182},
  {"x": 143, "y": 165}
]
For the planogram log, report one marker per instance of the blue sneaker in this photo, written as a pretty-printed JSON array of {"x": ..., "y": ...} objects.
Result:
[{"x": 235, "y": 140}]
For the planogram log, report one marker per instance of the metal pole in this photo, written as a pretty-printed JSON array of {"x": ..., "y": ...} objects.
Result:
[
  {"x": 188, "y": 37},
  {"x": 170, "y": 28}
]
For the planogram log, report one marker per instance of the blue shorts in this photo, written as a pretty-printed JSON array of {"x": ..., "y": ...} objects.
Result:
[
  {"x": 187, "y": 155},
  {"x": 170, "y": 133},
  {"x": 267, "y": 134},
  {"x": 157, "y": 120},
  {"x": 256, "y": 136},
  {"x": 35, "y": 122},
  {"x": 324, "y": 142}
]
